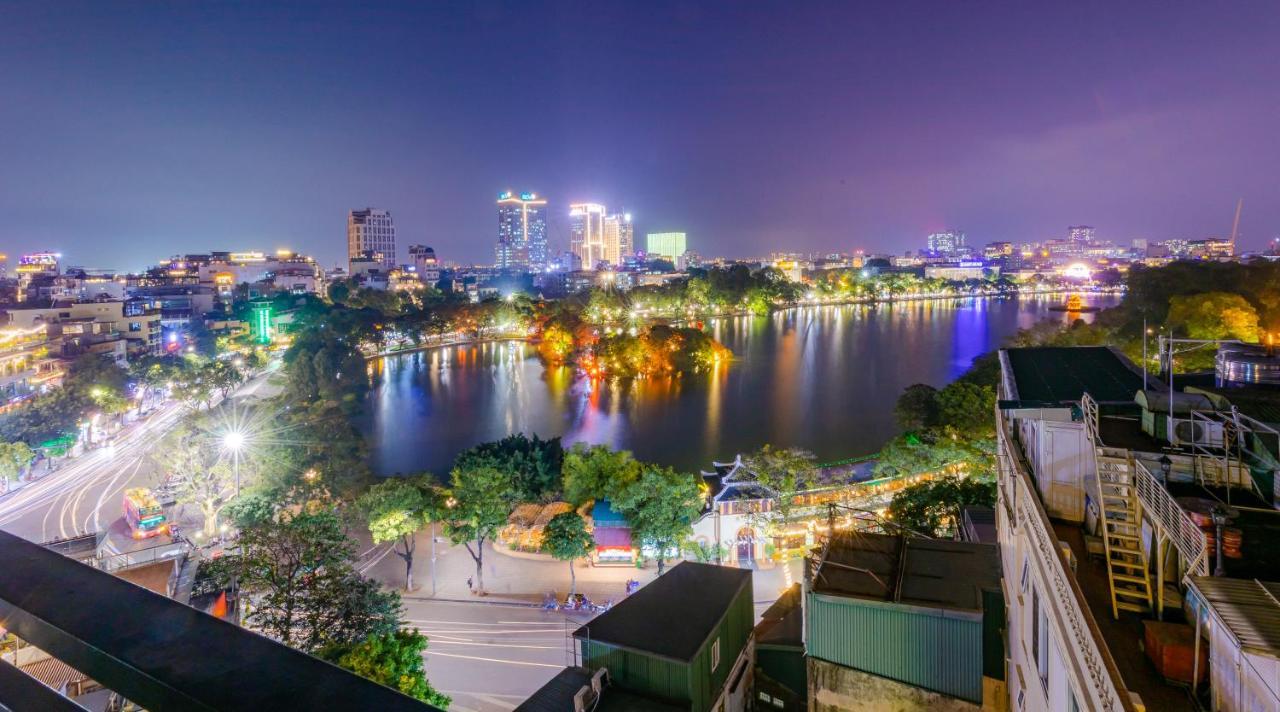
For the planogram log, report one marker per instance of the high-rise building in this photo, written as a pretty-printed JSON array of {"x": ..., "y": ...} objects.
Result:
[
  {"x": 948, "y": 243},
  {"x": 371, "y": 233},
  {"x": 670, "y": 245},
  {"x": 618, "y": 238},
  {"x": 522, "y": 232},
  {"x": 1081, "y": 234},
  {"x": 586, "y": 233}
]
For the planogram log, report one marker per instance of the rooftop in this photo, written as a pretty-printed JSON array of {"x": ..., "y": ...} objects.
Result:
[
  {"x": 1063, "y": 374},
  {"x": 933, "y": 573},
  {"x": 700, "y": 593},
  {"x": 557, "y": 696},
  {"x": 160, "y": 653},
  {"x": 1250, "y": 609}
]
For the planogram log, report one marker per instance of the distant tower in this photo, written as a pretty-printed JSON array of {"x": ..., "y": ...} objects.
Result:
[
  {"x": 522, "y": 232},
  {"x": 619, "y": 238},
  {"x": 371, "y": 232},
  {"x": 586, "y": 233}
]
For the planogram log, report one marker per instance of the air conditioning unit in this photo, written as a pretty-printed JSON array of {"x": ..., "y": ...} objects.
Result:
[{"x": 1197, "y": 432}]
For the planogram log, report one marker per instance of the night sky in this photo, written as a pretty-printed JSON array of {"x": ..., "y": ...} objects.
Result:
[{"x": 133, "y": 131}]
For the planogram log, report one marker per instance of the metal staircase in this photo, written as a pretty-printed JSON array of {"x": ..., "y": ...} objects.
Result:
[{"x": 1120, "y": 521}]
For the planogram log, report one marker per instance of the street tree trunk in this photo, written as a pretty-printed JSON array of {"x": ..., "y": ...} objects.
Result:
[
  {"x": 573, "y": 580},
  {"x": 409, "y": 544},
  {"x": 210, "y": 511},
  {"x": 478, "y": 557}
]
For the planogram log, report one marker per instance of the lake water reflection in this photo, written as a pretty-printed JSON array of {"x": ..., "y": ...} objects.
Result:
[{"x": 823, "y": 378}]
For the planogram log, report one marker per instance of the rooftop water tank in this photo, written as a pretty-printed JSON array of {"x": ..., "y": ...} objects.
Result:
[{"x": 1246, "y": 364}]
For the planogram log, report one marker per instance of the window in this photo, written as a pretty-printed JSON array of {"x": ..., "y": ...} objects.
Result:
[
  {"x": 1039, "y": 638},
  {"x": 715, "y": 655},
  {"x": 1073, "y": 705}
]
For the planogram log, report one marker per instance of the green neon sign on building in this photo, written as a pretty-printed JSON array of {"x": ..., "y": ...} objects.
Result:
[{"x": 260, "y": 322}]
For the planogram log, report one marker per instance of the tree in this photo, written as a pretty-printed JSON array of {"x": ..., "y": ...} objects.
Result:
[
  {"x": 933, "y": 507},
  {"x": 660, "y": 507},
  {"x": 535, "y": 464},
  {"x": 596, "y": 471},
  {"x": 14, "y": 457},
  {"x": 917, "y": 407},
  {"x": 396, "y": 509},
  {"x": 566, "y": 538},
  {"x": 481, "y": 500},
  {"x": 783, "y": 470},
  {"x": 393, "y": 660},
  {"x": 200, "y": 476},
  {"x": 1214, "y": 315},
  {"x": 300, "y": 564},
  {"x": 968, "y": 407}
]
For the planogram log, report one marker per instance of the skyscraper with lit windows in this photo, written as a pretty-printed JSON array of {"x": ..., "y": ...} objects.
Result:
[
  {"x": 587, "y": 233},
  {"x": 522, "y": 232},
  {"x": 371, "y": 232}
]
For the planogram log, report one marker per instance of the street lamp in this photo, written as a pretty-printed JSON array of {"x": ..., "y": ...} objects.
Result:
[{"x": 234, "y": 441}]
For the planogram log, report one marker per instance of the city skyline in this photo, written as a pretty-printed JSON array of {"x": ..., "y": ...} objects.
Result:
[{"x": 123, "y": 153}]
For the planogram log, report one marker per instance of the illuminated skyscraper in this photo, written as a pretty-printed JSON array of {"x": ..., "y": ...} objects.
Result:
[
  {"x": 618, "y": 238},
  {"x": 670, "y": 245},
  {"x": 522, "y": 232},
  {"x": 587, "y": 234},
  {"x": 371, "y": 232}
]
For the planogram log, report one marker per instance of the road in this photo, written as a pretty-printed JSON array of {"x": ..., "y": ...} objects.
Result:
[
  {"x": 84, "y": 495},
  {"x": 491, "y": 657}
]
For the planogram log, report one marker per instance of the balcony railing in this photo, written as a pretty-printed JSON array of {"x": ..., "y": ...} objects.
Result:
[
  {"x": 1086, "y": 651},
  {"x": 1159, "y": 507}
]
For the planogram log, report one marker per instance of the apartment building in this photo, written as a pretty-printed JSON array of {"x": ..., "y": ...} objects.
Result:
[{"x": 1136, "y": 530}]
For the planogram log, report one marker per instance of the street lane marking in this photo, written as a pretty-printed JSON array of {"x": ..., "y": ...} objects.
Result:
[{"x": 430, "y": 653}]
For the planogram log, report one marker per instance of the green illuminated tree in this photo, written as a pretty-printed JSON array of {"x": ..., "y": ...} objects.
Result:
[
  {"x": 393, "y": 660},
  {"x": 14, "y": 457},
  {"x": 396, "y": 509},
  {"x": 299, "y": 566},
  {"x": 785, "y": 471},
  {"x": 917, "y": 408},
  {"x": 480, "y": 500},
  {"x": 596, "y": 471},
  {"x": 933, "y": 507},
  {"x": 660, "y": 507},
  {"x": 566, "y": 538},
  {"x": 1214, "y": 315}
]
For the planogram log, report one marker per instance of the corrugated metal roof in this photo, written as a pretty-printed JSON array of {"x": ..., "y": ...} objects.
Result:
[
  {"x": 923, "y": 572},
  {"x": 1249, "y": 608}
]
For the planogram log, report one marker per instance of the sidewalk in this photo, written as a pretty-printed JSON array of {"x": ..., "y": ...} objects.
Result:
[{"x": 526, "y": 579}]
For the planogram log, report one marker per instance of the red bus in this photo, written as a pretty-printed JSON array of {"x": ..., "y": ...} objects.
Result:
[{"x": 143, "y": 513}]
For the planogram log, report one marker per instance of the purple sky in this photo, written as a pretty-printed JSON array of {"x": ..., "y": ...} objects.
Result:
[{"x": 130, "y": 132}]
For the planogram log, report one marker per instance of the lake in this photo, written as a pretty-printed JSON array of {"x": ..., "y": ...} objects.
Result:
[{"x": 823, "y": 378}]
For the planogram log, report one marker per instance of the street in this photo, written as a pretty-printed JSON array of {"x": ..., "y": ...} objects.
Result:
[
  {"x": 84, "y": 494},
  {"x": 491, "y": 656}
]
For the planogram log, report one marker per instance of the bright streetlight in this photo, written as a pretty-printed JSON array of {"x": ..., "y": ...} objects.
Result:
[{"x": 234, "y": 442}]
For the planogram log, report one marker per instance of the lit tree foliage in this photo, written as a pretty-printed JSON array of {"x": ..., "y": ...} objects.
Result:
[
  {"x": 480, "y": 500},
  {"x": 396, "y": 509},
  {"x": 299, "y": 564},
  {"x": 933, "y": 507},
  {"x": 660, "y": 507},
  {"x": 1214, "y": 315},
  {"x": 393, "y": 660},
  {"x": 566, "y": 538}
]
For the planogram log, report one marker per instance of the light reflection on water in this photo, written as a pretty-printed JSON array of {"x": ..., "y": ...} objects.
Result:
[{"x": 824, "y": 378}]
